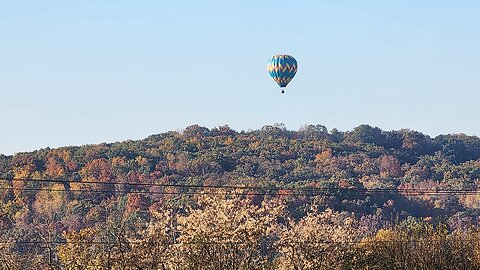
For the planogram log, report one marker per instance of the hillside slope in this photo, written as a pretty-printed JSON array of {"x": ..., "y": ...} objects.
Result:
[{"x": 120, "y": 190}]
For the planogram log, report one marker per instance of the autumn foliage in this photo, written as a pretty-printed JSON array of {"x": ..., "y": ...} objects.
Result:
[{"x": 263, "y": 199}]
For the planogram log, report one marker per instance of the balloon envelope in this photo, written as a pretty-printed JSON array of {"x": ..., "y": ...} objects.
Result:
[{"x": 282, "y": 68}]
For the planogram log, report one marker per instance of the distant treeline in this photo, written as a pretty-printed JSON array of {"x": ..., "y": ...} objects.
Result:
[{"x": 108, "y": 200}]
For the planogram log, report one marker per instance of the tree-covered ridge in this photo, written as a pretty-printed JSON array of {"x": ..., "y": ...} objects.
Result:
[
  {"x": 365, "y": 157},
  {"x": 52, "y": 195}
]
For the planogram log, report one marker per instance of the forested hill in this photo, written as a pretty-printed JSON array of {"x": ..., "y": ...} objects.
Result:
[
  {"x": 212, "y": 198},
  {"x": 273, "y": 157}
]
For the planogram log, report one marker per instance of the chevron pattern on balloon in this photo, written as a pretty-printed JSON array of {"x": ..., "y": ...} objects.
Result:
[{"x": 282, "y": 68}]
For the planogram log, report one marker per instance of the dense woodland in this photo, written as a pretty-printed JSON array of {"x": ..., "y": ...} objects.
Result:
[{"x": 263, "y": 199}]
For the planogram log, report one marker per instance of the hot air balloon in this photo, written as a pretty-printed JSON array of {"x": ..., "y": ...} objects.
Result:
[{"x": 282, "y": 69}]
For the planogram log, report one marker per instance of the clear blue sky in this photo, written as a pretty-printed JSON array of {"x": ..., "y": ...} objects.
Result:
[{"x": 83, "y": 72}]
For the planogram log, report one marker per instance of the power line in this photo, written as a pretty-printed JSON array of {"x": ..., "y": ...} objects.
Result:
[
  {"x": 86, "y": 182},
  {"x": 139, "y": 242},
  {"x": 136, "y": 191},
  {"x": 314, "y": 192},
  {"x": 279, "y": 191}
]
